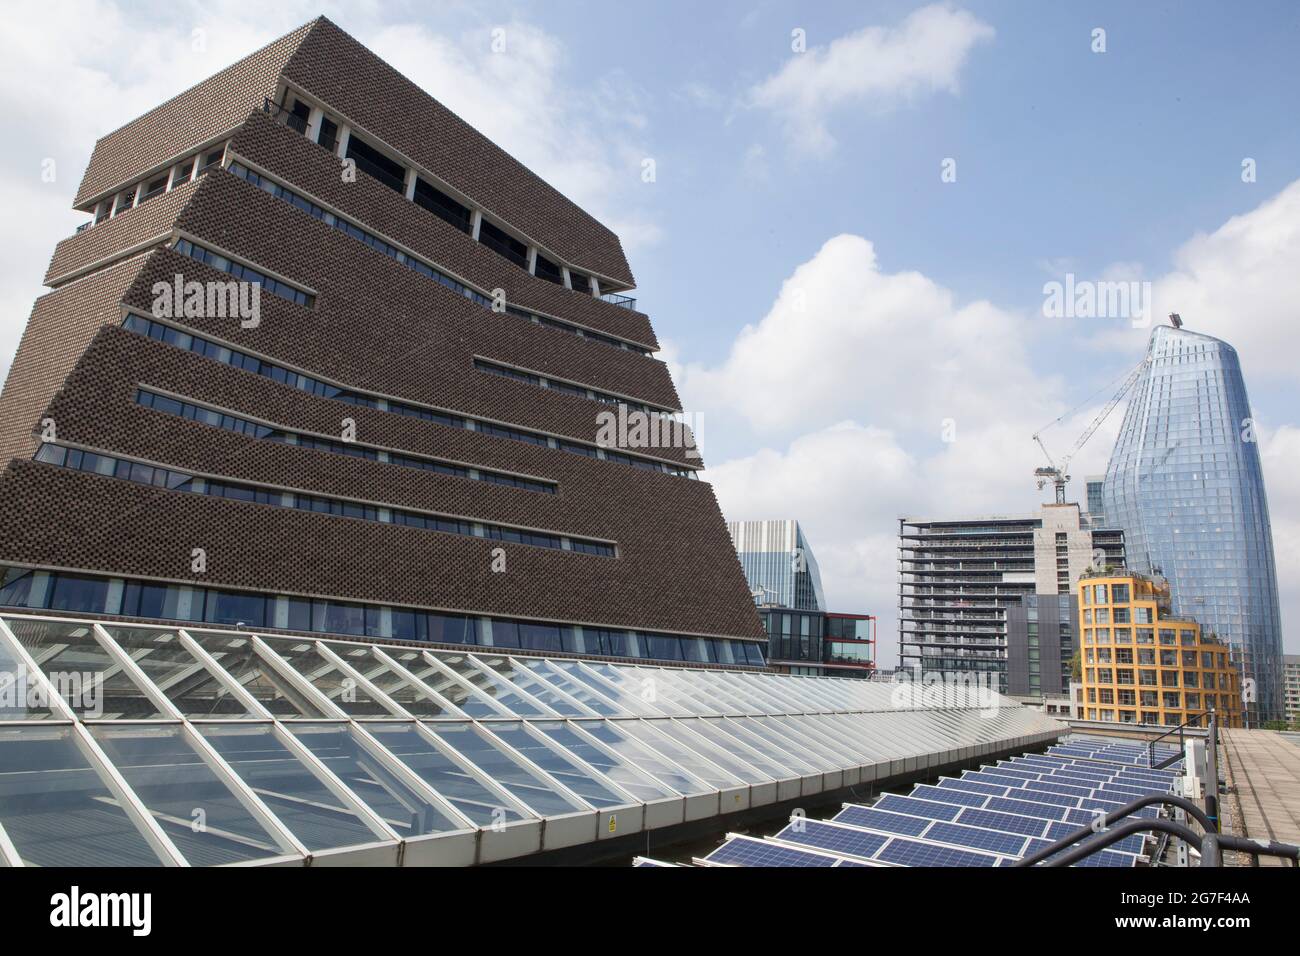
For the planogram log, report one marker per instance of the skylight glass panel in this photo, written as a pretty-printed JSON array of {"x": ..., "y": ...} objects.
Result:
[
  {"x": 78, "y": 823},
  {"x": 188, "y": 684},
  {"x": 409, "y": 812},
  {"x": 301, "y": 801},
  {"x": 236, "y": 654},
  {"x": 82, "y": 671},
  {"x": 559, "y": 765},
  {"x": 505, "y": 768},
  {"x": 205, "y": 820},
  {"x": 451, "y": 778}
]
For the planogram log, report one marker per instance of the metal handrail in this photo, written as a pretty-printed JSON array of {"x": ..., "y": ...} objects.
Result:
[
  {"x": 292, "y": 119},
  {"x": 1090, "y": 839},
  {"x": 1083, "y": 833},
  {"x": 1151, "y": 744}
]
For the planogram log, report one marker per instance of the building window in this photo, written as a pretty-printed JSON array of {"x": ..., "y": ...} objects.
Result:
[
  {"x": 544, "y": 268},
  {"x": 375, "y": 164},
  {"x": 154, "y": 187},
  {"x": 503, "y": 244},
  {"x": 443, "y": 206},
  {"x": 244, "y": 273}
]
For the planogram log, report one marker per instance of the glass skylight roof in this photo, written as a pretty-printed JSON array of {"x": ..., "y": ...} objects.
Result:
[{"x": 141, "y": 745}]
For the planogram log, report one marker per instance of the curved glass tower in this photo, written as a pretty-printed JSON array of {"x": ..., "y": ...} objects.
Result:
[{"x": 1185, "y": 484}]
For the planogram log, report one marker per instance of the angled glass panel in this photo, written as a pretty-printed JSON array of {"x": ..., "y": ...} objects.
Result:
[
  {"x": 783, "y": 756},
  {"x": 413, "y": 697},
  {"x": 723, "y": 696},
  {"x": 236, "y": 655},
  {"x": 177, "y": 673},
  {"x": 294, "y": 794},
  {"x": 667, "y": 685},
  {"x": 799, "y": 728},
  {"x": 340, "y": 687},
  {"x": 616, "y": 768},
  {"x": 559, "y": 765},
  {"x": 761, "y": 760},
  {"x": 815, "y": 757},
  {"x": 82, "y": 671},
  {"x": 641, "y": 685},
  {"x": 446, "y": 683},
  {"x": 21, "y": 697},
  {"x": 531, "y": 684},
  {"x": 621, "y": 696},
  {"x": 583, "y": 693},
  {"x": 690, "y": 760},
  {"x": 727, "y": 761},
  {"x": 493, "y": 685},
  {"x": 453, "y": 781},
  {"x": 404, "y": 809},
  {"x": 609, "y": 733},
  {"x": 56, "y": 809},
  {"x": 486, "y": 753},
  {"x": 200, "y": 814}
]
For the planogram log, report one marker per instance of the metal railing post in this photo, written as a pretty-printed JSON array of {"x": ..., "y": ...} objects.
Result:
[{"x": 1212, "y": 773}]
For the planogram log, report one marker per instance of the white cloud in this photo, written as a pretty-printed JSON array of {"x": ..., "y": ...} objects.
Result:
[
  {"x": 875, "y": 67},
  {"x": 1239, "y": 283},
  {"x": 844, "y": 336},
  {"x": 843, "y": 384}
]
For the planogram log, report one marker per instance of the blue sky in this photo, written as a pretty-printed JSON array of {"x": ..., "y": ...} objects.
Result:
[{"x": 827, "y": 302}]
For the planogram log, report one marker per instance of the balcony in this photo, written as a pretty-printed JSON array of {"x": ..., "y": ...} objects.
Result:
[{"x": 622, "y": 301}]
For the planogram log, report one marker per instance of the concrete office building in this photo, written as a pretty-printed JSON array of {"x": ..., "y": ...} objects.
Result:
[{"x": 993, "y": 595}]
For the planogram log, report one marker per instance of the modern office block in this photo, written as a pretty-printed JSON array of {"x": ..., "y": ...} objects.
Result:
[{"x": 779, "y": 564}]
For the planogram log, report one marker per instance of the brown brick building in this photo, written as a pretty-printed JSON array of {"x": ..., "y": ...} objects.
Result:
[{"x": 403, "y": 432}]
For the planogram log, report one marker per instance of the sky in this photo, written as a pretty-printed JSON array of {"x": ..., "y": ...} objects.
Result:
[{"x": 854, "y": 211}]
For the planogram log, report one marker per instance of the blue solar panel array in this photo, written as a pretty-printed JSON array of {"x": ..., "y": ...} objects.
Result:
[{"x": 992, "y": 816}]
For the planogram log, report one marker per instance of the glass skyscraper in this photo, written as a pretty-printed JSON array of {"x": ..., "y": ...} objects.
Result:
[
  {"x": 1185, "y": 484},
  {"x": 779, "y": 565}
]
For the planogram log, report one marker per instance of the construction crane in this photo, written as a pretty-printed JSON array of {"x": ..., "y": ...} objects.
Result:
[{"x": 1059, "y": 474}]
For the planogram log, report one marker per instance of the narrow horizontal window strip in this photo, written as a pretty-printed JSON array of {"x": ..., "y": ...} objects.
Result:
[
  {"x": 74, "y": 592},
  {"x": 244, "y": 273},
  {"x": 426, "y": 269},
  {"x": 568, "y": 388},
  {"x": 249, "y": 363},
  {"x": 159, "y": 476},
  {"x": 233, "y": 357},
  {"x": 244, "y": 426}
]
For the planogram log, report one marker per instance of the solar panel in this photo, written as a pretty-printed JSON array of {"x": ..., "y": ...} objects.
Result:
[
  {"x": 918, "y": 808},
  {"x": 1045, "y": 811},
  {"x": 973, "y": 786},
  {"x": 875, "y": 819},
  {"x": 1061, "y": 789},
  {"x": 989, "y": 816},
  {"x": 969, "y": 836},
  {"x": 745, "y": 851},
  {"x": 949, "y": 796},
  {"x": 1006, "y": 822},
  {"x": 1001, "y": 780},
  {"x": 837, "y": 839},
  {"x": 913, "y": 853},
  {"x": 1048, "y": 794}
]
